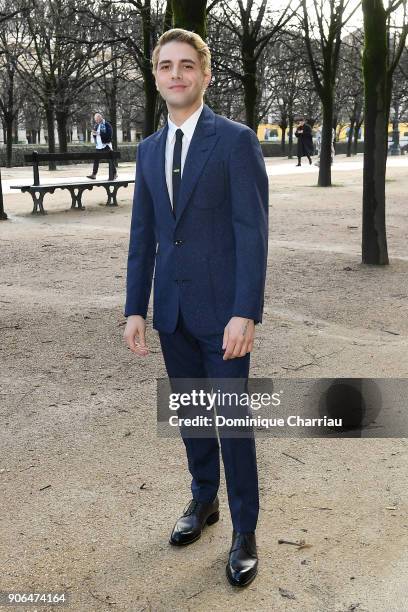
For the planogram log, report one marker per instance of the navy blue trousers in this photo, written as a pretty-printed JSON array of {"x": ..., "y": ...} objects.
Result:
[{"x": 200, "y": 357}]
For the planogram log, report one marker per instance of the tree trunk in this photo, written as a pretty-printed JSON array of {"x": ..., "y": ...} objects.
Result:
[
  {"x": 112, "y": 106},
  {"x": 190, "y": 15},
  {"x": 149, "y": 82},
  {"x": 290, "y": 138},
  {"x": 9, "y": 120},
  {"x": 326, "y": 147},
  {"x": 350, "y": 135},
  {"x": 62, "y": 121},
  {"x": 283, "y": 126},
  {"x": 356, "y": 136},
  {"x": 113, "y": 118},
  {"x": 111, "y": 97},
  {"x": 395, "y": 148},
  {"x": 283, "y": 140},
  {"x": 50, "y": 114},
  {"x": 3, "y": 215},
  {"x": 250, "y": 89},
  {"x": 150, "y": 122},
  {"x": 10, "y": 114},
  {"x": 168, "y": 17},
  {"x": 374, "y": 240}
]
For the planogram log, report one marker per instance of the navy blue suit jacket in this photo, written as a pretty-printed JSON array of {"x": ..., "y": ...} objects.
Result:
[{"x": 210, "y": 259}]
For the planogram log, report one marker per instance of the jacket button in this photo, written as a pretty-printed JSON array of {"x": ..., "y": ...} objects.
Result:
[{"x": 178, "y": 242}]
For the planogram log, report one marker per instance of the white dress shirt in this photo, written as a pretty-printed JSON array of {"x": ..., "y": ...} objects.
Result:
[{"x": 187, "y": 128}]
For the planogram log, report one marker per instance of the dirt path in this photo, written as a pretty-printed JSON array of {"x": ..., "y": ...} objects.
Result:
[{"x": 89, "y": 493}]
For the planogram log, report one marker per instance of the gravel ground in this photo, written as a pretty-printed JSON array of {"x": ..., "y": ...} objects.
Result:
[{"x": 89, "y": 493}]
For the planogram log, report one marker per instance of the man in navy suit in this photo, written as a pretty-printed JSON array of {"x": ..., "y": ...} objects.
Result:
[{"x": 200, "y": 219}]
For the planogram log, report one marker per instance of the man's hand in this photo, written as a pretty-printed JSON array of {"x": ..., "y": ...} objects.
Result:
[
  {"x": 135, "y": 335},
  {"x": 238, "y": 337}
]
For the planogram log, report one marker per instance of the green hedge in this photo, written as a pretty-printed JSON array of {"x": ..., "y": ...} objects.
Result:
[
  {"x": 341, "y": 148},
  {"x": 273, "y": 149},
  {"x": 127, "y": 152}
]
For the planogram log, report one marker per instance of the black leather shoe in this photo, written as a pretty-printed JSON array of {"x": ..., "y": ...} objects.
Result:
[
  {"x": 189, "y": 526},
  {"x": 242, "y": 565}
]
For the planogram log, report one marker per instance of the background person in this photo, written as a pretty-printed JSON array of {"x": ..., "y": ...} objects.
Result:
[
  {"x": 102, "y": 135},
  {"x": 305, "y": 145}
]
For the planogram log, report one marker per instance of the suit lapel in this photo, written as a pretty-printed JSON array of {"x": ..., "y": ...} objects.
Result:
[
  {"x": 158, "y": 165},
  {"x": 201, "y": 145}
]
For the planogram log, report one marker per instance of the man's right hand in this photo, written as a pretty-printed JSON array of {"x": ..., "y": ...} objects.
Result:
[{"x": 135, "y": 335}]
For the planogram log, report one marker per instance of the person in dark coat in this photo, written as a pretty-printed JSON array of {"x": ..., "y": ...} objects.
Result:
[{"x": 305, "y": 145}]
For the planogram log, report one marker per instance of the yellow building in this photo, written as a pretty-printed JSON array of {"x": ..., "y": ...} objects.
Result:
[{"x": 271, "y": 132}]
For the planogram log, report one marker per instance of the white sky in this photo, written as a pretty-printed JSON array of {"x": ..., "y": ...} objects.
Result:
[{"x": 355, "y": 22}]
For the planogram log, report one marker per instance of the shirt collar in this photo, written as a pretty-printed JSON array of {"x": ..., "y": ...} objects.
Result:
[{"x": 187, "y": 127}]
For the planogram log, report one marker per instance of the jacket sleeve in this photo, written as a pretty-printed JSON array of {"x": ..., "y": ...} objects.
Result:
[
  {"x": 250, "y": 201},
  {"x": 142, "y": 247},
  {"x": 109, "y": 131}
]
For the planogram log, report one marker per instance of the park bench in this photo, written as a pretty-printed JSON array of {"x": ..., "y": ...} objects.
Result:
[{"x": 76, "y": 189}]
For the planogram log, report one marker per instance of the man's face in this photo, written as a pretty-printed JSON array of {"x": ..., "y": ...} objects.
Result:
[
  {"x": 98, "y": 118},
  {"x": 179, "y": 76}
]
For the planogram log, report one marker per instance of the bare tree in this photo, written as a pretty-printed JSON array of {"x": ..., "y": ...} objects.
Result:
[
  {"x": 55, "y": 67},
  {"x": 254, "y": 28},
  {"x": 137, "y": 24},
  {"x": 399, "y": 102},
  {"x": 380, "y": 59},
  {"x": 289, "y": 81},
  {"x": 349, "y": 98},
  {"x": 6, "y": 15},
  {"x": 324, "y": 21},
  {"x": 12, "y": 93}
]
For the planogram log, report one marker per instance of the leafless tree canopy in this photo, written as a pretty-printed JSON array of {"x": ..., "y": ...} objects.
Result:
[{"x": 60, "y": 60}]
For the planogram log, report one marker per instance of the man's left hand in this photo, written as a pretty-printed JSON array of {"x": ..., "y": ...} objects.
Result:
[{"x": 238, "y": 337}]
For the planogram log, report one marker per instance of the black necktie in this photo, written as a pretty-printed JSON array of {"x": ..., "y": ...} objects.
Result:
[{"x": 176, "y": 175}]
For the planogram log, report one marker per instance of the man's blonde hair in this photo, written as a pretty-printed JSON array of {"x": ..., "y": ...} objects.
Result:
[{"x": 185, "y": 36}]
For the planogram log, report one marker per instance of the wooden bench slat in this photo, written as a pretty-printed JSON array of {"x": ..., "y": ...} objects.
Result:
[{"x": 43, "y": 186}]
